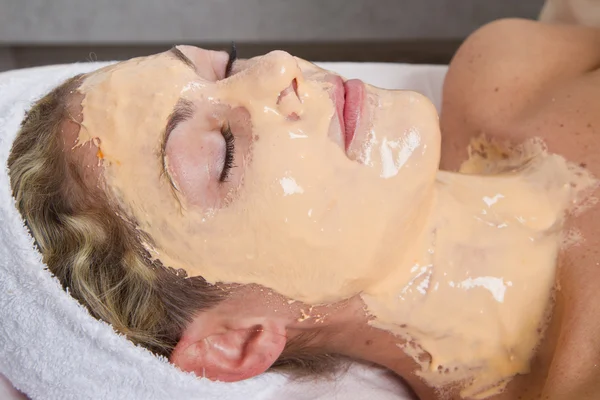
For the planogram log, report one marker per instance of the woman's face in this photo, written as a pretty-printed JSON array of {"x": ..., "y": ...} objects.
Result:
[{"x": 281, "y": 174}]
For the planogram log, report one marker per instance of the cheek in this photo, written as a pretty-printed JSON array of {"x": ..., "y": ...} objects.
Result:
[
  {"x": 195, "y": 162},
  {"x": 240, "y": 121}
]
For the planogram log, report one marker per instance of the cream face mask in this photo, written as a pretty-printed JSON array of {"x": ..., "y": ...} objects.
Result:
[
  {"x": 298, "y": 212},
  {"x": 285, "y": 176}
]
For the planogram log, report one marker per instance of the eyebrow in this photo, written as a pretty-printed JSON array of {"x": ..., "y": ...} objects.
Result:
[
  {"x": 182, "y": 57},
  {"x": 183, "y": 111}
]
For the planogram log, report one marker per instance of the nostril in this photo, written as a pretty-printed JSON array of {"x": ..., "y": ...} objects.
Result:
[
  {"x": 292, "y": 88},
  {"x": 295, "y": 87}
]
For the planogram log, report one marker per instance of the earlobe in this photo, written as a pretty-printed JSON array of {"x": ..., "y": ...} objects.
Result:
[{"x": 232, "y": 355}]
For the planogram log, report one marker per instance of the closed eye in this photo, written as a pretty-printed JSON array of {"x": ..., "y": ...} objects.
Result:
[{"x": 229, "y": 153}]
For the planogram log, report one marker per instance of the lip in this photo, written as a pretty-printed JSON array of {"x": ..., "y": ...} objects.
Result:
[
  {"x": 348, "y": 98},
  {"x": 353, "y": 108}
]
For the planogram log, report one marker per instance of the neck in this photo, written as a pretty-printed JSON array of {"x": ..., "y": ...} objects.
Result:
[
  {"x": 348, "y": 332},
  {"x": 486, "y": 248}
]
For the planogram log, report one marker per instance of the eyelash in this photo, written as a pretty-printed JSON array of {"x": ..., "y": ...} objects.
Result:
[
  {"x": 229, "y": 153},
  {"x": 226, "y": 130}
]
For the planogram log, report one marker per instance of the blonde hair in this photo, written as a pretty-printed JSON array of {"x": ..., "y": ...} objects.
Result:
[{"x": 98, "y": 256}]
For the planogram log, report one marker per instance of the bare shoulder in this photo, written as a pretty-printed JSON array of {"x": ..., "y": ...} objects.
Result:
[
  {"x": 501, "y": 45},
  {"x": 504, "y": 70}
]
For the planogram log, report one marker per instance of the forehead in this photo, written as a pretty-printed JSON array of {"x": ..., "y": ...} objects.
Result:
[
  {"x": 130, "y": 97},
  {"x": 121, "y": 105},
  {"x": 152, "y": 75}
]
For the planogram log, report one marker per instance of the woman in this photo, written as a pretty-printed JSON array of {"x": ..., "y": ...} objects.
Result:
[{"x": 251, "y": 175}]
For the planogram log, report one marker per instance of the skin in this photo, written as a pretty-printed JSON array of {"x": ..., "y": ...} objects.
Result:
[
  {"x": 516, "y": 79},
  {"x": 547, "y": 94}
]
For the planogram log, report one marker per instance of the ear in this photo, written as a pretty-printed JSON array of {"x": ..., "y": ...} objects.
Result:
[{"x": 231, "y": 354}]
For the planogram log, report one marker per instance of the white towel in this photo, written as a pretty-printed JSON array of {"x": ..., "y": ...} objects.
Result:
[{"x": 51, "y": 348}]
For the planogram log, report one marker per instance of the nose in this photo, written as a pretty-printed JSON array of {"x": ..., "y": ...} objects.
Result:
[
  {"x": 272, "y": 81},
  {"x": 271, "y": 78},
  {"x": 280, "y": 63}
]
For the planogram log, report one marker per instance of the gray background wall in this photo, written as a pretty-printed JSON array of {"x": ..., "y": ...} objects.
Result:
[{"x": 36, "y": 32}]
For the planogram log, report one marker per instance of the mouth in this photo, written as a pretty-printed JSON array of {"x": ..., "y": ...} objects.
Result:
[{"x": 348, "y": 98}]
